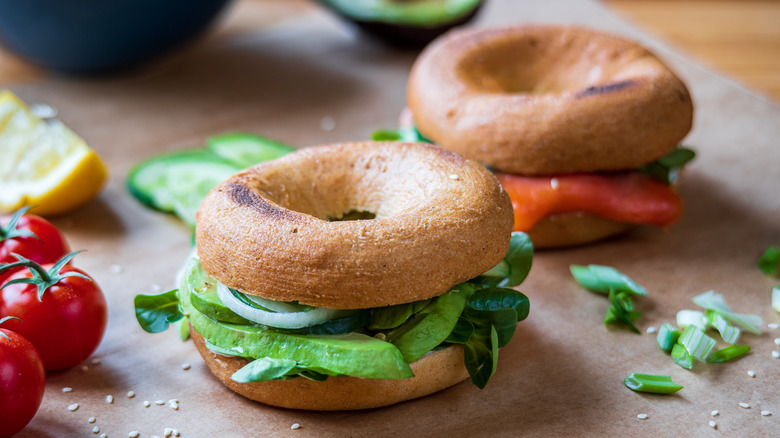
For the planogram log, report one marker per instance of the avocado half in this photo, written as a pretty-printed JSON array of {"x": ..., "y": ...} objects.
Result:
[{"x": 405, "y": 22}]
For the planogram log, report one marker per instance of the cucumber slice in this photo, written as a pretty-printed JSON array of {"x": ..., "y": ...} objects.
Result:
[
  {"x": 178, "y": 181},
  {"x": 244, "y": 150}
]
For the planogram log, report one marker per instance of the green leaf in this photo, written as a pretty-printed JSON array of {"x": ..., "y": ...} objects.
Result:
[
  {"x": 400, "y": 134},
  {"x": 667, "y": 169},
  {"x": 603, "y": 279},
  {"x": 462, "y": 332},
  {"x": 155, "y": 312},
  {"x": 769, "y": 262},
  {"x": 728, "y": 353},
  {"x": 481, "y": 356},
  {"x": 431, "y": 326},
  {"x": 499, "y": 307},
  {"x": 385, "y": 318},
  {"x": 515, "y": 266},
  {"x": 265, "y": 369},
  {"x": 651, "y": 383},
  {"x": 712, "y": 301},
  {"x": 681, "y": 357}
]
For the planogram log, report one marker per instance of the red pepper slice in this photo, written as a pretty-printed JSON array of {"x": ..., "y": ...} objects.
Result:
[{"x": 629, "y": 197}]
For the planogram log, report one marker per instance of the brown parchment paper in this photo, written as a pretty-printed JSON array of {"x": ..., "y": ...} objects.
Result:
[{"x": 279, "y": 68}]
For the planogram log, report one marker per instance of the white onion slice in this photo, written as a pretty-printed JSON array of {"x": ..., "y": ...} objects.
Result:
[
  {"x": 288, "y": 320},
  {"x": 276, "y": 306}
]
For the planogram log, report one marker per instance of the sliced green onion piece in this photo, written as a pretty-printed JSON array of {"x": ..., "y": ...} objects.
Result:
[
  {"x": 712, "y": 301},
  {"x": 691, "y": 317},
  {"x": 289, "y": 320},
  {"x": 769, "y": 263},
  {"x": 667, "y": 337},
  {"x": 622, "y": 310},
  {"x": 651, "y": 383},
  {"x": 728, "y": 332},
  {"x": 681, "y": 357},
  {"x": 776, "y": 298},
  {"x": 603, "y": 279},
  {"x": 728, "y": 353},
  {"x": 697, "y": 343}
]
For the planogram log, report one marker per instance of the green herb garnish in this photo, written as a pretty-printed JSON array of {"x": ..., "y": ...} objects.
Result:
[
  {"x": 769, "y": 262},
  {"x": 155, "y": 312},
  {"x": 617, "y": 286},
  {"x": 651, "y": 383},
  {"x": 667, "y": 169}
]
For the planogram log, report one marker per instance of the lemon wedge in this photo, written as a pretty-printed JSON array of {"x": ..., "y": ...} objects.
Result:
[{"x": 43, "y": 164}]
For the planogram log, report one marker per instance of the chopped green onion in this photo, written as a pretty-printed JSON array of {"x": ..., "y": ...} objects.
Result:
[
  {"x": 696, "y": 342},
  {"x": 691, "y": 317},
  {"x": 603, "y": 279},
  {"x": 622, "y": 310},
  {"x": 712, "y": 301},
  {"x": 776, "y": 298},
  {"x": 651, "y": 383},
  {"x": 681, "y": 357},
  {"x": 769, "y": 263},
  {"x": 667, "y": 337},
  {"x": 728, "y": 332},
  {"x": 728, "y": 353}
]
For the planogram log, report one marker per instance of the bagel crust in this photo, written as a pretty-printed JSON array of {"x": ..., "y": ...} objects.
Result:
[
  {"x": 433, "y": 372},
  {"x": 545, "y": 100},
  {"x": 439, "y": 220}
]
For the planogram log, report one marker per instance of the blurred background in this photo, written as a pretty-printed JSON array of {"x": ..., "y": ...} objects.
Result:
[{"x": 739, "y": 38}]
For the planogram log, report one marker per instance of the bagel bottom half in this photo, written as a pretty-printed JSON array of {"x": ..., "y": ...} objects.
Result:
[
  {"x": 433, "y": 372},
  {"x": 572, "y": 229}
]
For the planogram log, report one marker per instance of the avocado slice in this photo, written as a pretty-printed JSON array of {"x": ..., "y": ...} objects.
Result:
[
  {"x": 405, "y": 22},
  {"x": 351, "y": 354}
]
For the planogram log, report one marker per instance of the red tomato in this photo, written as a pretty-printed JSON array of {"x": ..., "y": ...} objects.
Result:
[
  {"x": 22, "y": 381},
  {"x": 47, "y": 246},
  {"x": 66, "y": 325}
]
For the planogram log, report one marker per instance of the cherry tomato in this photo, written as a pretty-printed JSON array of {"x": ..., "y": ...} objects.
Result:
[
  {"x": 32, "y": 237},
  {"x": 68, "y": 322},
  {"x": 22, "y": 381}
]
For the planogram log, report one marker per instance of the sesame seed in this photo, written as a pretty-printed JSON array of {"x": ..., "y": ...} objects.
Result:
[
  {"x": 744, "y": 405},
  {"x": 92, "y": 420},
  {"x": 713, "y": 424},
  {"x": 651, "y": 330},
  {"x": 454, "y": 177},
  {"x": 773, "y": 325},
  {"x": 175, "y": 432},
  {"x": 133, "y": 434},
  {"x": 67, "y": 389},
  {"x": 168, "y": 432},
  {"x": 766, "y": 413},
  {"x": 96, "y": 361},
  {"x": 155, "y": 288},
  {"x": 146, "y": 403},
  {"x": 328, "y": 123},
  {"x": 715, "y": 413},
  {"x": 84, "y": 368},
  {"x": 751, "y": 373},
  {"x": 116, "y": 269},
  {"x": 156, "y": 436},
  {"x": 185, "y": 366},
  {"x": 103, "y": 435},
  {"x": 776, "y": 354},
  {"x": 777, "y": 341},
  {"x": 43, "y": 111},
  {"x": 295, "y": 426},
  {"x": 96, "y": 430},
  {"x": 554, "y": 183},
  {"x": 642, "y": 416},
  {"x": 159, "y": 402},
  {"x": 130, "y": 394},
  {"x": 109, "y": 399},
  {"x": 73, "y": 407}
]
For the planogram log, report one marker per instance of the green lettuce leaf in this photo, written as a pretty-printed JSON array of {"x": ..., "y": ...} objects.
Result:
[{"x": 156, "y": 312}]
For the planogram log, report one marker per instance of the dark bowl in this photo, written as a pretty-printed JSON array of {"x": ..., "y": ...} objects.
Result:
[{"x": 97, "y": 36}]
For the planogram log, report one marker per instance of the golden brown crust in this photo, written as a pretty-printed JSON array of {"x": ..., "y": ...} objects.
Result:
[
  {"x": 440, "y": 220},
  {"x": 571, "y": 229},
  {"x": 542, "y": 100},
  {"x": 433, "y": 372}
]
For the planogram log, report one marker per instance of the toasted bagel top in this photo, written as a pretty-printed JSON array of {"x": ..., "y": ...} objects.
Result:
[{"x": 439, "y": 220}]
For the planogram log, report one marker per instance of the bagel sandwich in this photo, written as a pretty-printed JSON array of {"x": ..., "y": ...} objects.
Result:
[
  {"x": 354, "y": 276},
  {"x": 582, "y": 128}
]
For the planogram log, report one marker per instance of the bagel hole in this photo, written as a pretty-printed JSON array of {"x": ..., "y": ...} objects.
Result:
[
  {"x": 353, "y": 215},
  {"x": 541, "y": 64}
]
